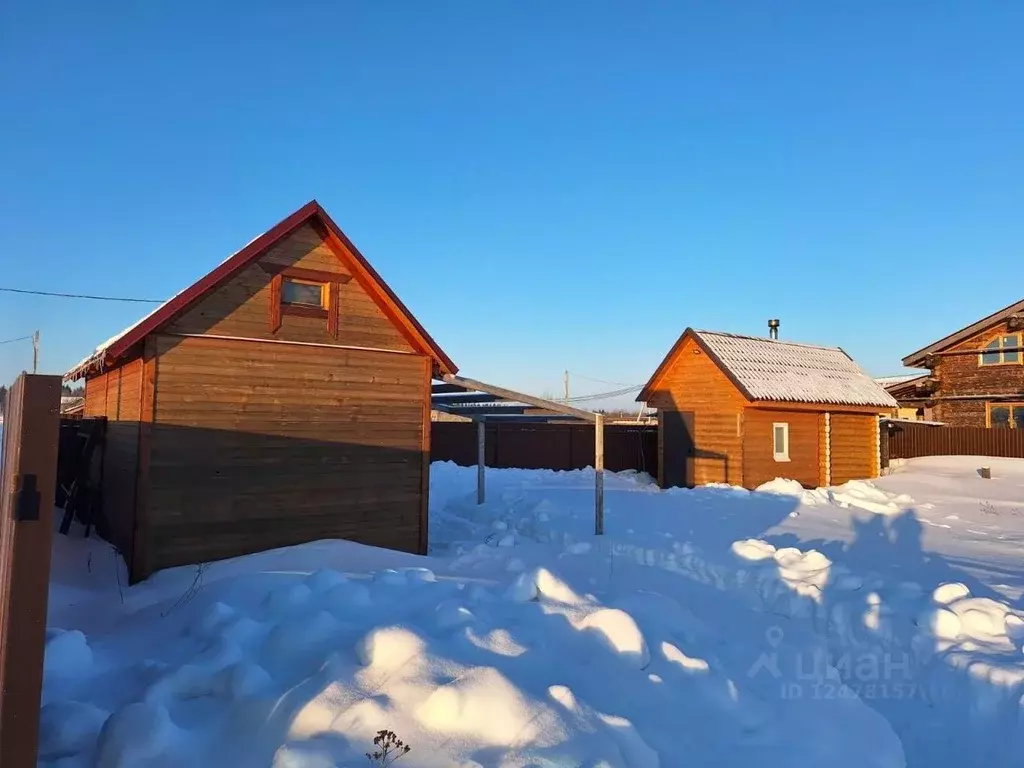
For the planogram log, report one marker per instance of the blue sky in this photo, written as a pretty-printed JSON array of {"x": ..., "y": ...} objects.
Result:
[{"x": 548, "y": 186}]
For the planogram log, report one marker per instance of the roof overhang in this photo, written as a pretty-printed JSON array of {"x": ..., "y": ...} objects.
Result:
[{"x": 917, "y": 359}]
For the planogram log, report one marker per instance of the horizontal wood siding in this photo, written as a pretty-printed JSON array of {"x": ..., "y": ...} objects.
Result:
[
  {"x": 95, "y": 396},
  {"x": 853, "y": 447},
  {"x": 242, "y": 306},
  {"x": 759, "y": 464},
  {"x": 692, "y": 382},
  {"x": 120, "y": 460},
  {"x": 258, "y": 445}
]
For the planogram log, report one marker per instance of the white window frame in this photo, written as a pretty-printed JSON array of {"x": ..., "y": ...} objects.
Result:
[{"x": 782, "y": 455}]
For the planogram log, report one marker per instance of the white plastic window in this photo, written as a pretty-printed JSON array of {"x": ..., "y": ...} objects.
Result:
[{"x": 780, "y": 441}]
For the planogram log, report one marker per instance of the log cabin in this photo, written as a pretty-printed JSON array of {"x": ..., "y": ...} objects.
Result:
[
  {"x": 744, "y": 410},
  {"x": 282, "y": 398},
  {"x": 975, "y": 375}
]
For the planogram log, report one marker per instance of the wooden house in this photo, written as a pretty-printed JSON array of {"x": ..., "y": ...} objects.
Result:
[
  {"x": 745, "y": 410},
  {"x": 282, "y": 398},
  {"x": 976, "y": 375},
  {"x": 904, "y": 390}
]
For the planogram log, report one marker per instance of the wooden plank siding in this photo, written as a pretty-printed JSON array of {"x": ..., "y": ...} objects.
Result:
[
  {"x": 241, "y": 307},
  {"x": 123, "y": 393},
  {"x": 256, "y": 445},
  {"x": 853, "y": 447},
  {"x": 692, "y": 382},
  {"x": 759, "y": 464}
]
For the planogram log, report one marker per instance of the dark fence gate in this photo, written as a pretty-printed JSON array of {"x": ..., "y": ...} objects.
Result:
[
  {"x": 908, "y": 441},
  {"x": 30, "y": 434},
  {"x": 547, "y": 446}
]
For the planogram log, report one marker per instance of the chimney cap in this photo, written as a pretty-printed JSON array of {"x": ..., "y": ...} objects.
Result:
[{"x": 773, "y": 328}]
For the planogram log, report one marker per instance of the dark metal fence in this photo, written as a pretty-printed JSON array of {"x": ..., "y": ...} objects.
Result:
[
  {"x": 908, "y": 441},
  {"x": 547, "y": 446}
]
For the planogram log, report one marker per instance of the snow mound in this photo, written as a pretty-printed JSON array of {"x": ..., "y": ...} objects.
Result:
[
  {"x": 390, "y": 648},
  {"x": 781, "y": 487},
  {"x": 483, "y": 706},
  {"x": 67, "y": 654},
  {"x": 67, "y": 728},
  {"x": 753, "y": 549},
  {"x": 453, "y": 613},
  {"x": 540, "y": 582},
  {"x": 139, "y": 734},
  {"x": 865, "y": 495},
  {"x": 945, "y": 594},
  {"x": 618, "y": 632}
]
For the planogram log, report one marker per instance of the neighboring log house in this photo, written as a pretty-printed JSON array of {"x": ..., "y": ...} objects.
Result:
[
  {"x": 281, "y": 399},
  {"x": 745, "y": 410},
  {"x": 976, "y": 375}
]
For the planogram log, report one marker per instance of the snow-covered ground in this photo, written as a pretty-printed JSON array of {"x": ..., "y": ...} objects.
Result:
[{"x": 875, "y": 624}]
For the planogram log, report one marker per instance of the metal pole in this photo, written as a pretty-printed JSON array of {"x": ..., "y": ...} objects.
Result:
[
  {"x": 599, "y": 474},
  {"x": 567, "y": 387},
  {"x": 480, "y": 438},
  {"x": 35, "y": 352}
]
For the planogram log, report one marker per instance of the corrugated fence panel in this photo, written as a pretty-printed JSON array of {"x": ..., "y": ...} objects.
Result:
[
  {"x": 908, "y": 441},
  {"x": 547, "y": 446}
]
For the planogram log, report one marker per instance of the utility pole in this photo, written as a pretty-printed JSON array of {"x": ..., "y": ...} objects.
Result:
[
  {"x": 567, "y": 387},
  {"x": 35, "y": 352}
]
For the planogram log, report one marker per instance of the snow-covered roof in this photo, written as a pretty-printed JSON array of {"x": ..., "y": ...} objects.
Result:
[
  {"x": 891, "y": 381},
  {"x": 769, "y": 369}
]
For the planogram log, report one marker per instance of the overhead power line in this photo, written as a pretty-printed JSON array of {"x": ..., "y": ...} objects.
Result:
[
  {"x": 81, "y": 296},
  {"x": 20, "y": 338},
  {"x": 599, "y": 381}
]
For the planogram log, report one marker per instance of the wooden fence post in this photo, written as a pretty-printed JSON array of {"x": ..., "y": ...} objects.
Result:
[
  {"x": 31, "y": 437},
  {"x": 599, "y": 474},
  {"x": 481, "y": 459}
]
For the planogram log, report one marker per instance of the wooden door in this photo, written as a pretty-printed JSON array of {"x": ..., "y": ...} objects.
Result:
[{"x": 678, "y": 449}]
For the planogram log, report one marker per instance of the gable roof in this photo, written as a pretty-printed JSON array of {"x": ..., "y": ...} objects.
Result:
[
  {"x": 783, "y": 371},
  {"x": 901, "y": 386},
  {"x": 892, "y": 381},
  {"x": 915, "y": 359},
  {"x": 116, "y": 347}
]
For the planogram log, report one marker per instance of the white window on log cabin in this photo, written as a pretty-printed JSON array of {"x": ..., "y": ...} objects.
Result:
[
  {"x": 780, "y": 441},
  {"x": 1002, "y": 350}
]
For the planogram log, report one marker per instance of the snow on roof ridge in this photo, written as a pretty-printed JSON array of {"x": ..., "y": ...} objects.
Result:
[
  {"x": 784, "y": 371},
  {"x": 768, "y": 339}
]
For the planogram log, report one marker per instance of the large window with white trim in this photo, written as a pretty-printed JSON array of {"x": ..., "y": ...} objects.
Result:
[
  {"x": 780, "y": 441},
  {"x": 1002, "y": 350}
]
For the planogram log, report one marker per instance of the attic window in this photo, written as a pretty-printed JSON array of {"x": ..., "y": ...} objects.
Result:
[
  {"x": 303, "y": 293},
  {"x": 780, "y": 441},
  {"x": 1002, "y": 350},
  {"x": 306, "y": 293}
]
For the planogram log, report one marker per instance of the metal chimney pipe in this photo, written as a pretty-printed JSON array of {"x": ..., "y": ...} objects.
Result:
[{"x": 773, "y": 328}]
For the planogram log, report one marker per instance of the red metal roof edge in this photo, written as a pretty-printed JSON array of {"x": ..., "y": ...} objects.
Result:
[
  {"x": 445, "y": 362},
  {"x": 240, "y": 259}
]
